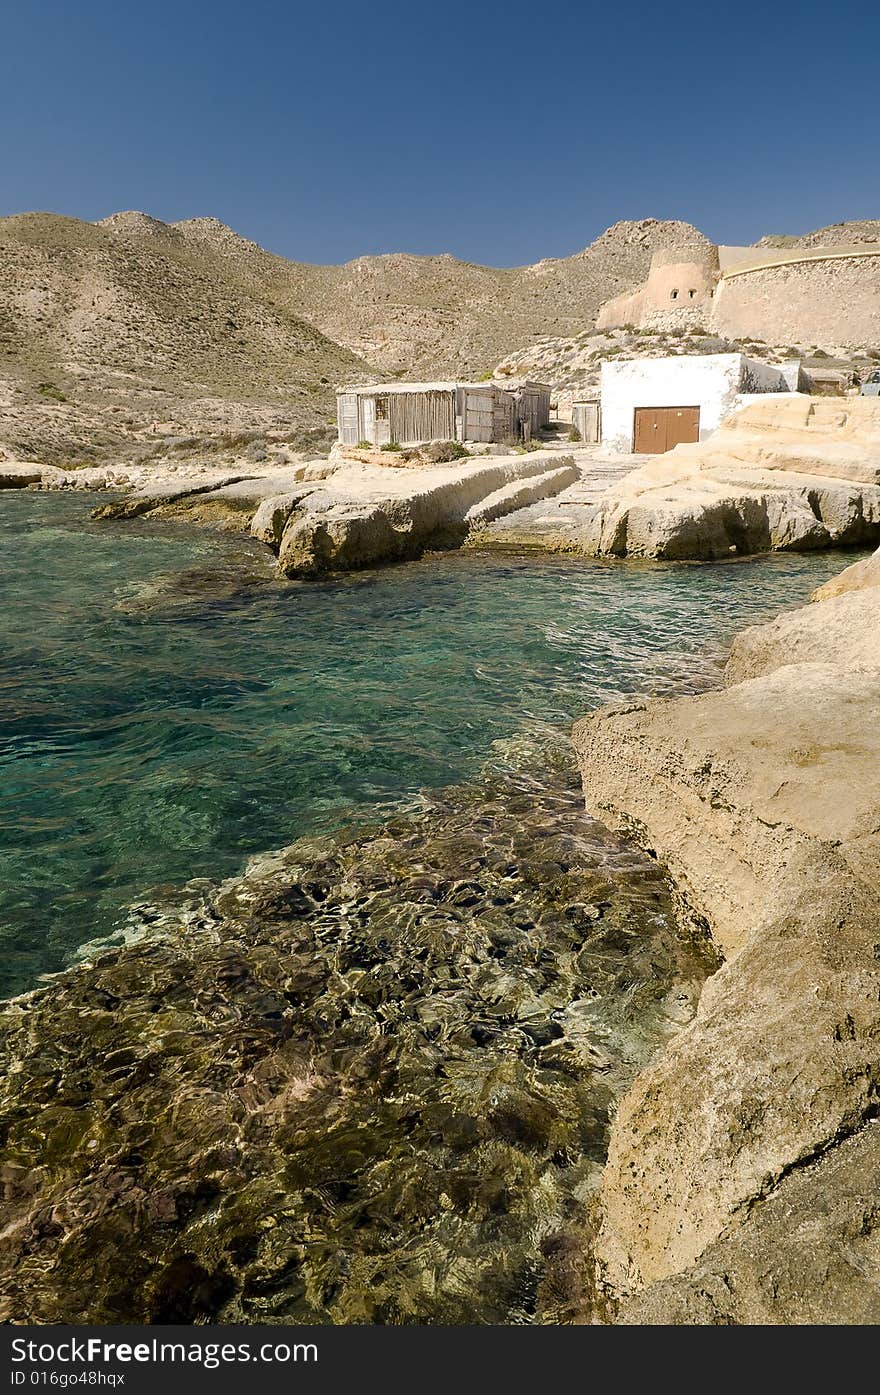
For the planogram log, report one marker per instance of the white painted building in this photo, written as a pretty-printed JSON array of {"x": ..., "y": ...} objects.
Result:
[{"x": 650, "y": 405}]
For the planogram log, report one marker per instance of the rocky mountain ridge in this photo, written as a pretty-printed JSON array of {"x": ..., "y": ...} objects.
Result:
[{"x": 131, "y": 335}]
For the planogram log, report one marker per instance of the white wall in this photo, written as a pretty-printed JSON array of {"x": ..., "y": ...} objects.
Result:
[{"x": 708, "y": 381}]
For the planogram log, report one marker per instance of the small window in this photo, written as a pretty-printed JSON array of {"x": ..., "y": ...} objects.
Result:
[
  {"x": 673, "y": 295},
  {"x": 692, "y": 294},
  {"x": 381, "y": 408}
]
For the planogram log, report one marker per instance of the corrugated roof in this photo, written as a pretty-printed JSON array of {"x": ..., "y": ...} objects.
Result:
[{"x": 387, "y": 388}]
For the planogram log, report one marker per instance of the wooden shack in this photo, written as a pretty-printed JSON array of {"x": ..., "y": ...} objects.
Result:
[{"x": 413, "y": 413}]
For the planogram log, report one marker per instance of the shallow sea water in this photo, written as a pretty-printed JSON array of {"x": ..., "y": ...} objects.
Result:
[{"x": 160, "y": 720}]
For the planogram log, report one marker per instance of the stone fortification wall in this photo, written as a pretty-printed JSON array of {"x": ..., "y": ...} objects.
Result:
[
  {"x": 677, "y": 293},
  {"x": 815, "y": 302}
]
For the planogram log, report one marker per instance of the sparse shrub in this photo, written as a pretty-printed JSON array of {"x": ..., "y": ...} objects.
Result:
[
  {"x": 391, "y": 445},
  {"x": 365, "y": 445},
  {"x": 443, "y": 452},
  {"x": 50, "y": 391},
  {"x": 574, "y": 434},
  {"x": 485, "y": 377}
]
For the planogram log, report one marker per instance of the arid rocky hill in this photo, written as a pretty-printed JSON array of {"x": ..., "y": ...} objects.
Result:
[
  {"x": 111, "y": 334},
  {"x": 115, "y": 332},
  {"x": 424, "y": 315},
  {"x": 852, "y": 233},
  {"x": 134, "y": 336},
  {"x": 421, "y": 315}
]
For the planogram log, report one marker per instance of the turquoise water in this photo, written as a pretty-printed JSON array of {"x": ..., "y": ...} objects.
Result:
[{"x": 155, "y": 727}]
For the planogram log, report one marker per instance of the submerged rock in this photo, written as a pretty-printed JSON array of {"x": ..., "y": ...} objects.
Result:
[
  {"x": 225, "y": 580},
  {"x": 368, "y": 1081}
]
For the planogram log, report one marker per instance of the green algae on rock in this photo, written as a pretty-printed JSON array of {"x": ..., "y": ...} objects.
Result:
[{"x": 368, "y": 1081}]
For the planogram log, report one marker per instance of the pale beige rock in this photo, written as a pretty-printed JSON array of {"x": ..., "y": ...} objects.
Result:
[
  {"x": 786, "y": 473},
  {"x": 729, "y": 786},
  {"x": 366, "y": 513},
  {"x": 846, "y": 633},
  {"x": 809, "y": 1253},
  {"x": 854, "y": 578},
  {"x": 782, "y": 1060},
  {"x": 270, "y": 519},
  {"x": 763, "y": 799}
]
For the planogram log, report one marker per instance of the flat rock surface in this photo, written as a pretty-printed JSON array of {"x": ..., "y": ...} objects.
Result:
[
  {"x": 557, "y": 523},
  {"x": 729, "y": 785}
]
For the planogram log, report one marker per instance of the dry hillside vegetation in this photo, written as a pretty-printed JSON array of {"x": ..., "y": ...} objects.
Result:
[
  {"x": 138, "y": 339},
  {"x": 116, "y": 343},
  {"x": 134, "y": 337},
  {"x": 843, "y": 234}
]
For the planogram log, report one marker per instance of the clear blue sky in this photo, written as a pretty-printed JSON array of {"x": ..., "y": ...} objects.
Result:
[{"x": 499, "y": 132}]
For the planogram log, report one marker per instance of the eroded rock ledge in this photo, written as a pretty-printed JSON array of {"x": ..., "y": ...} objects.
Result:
[
  {"x": 785, "y": 474},
  {"x": 741, "y": 1178}
]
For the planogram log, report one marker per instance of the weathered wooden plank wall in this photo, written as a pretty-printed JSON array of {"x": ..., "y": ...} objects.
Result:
[{"x": 422, "y": 416}]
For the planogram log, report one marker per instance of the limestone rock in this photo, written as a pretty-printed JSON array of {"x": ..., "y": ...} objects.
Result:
[
  {"x": 270, "y": 519},
  {"x": 730, "y": 1192},
  {"x": 846, "y": 632},
  {"x": 791, "y": 473},
  {"x": 366, "y": 514},
  {"x": 854, "y": 578},
  {"x": 728, "y": 786},
  {"x": 782, "y": 1060},
  {"x": 807, "y": 1254}
]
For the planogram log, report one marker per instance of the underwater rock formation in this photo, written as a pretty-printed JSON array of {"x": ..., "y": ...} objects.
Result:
[{"x": 368, "y": 1081}]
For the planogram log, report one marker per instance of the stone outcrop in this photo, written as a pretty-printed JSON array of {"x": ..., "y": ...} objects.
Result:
[
  {"x": 825, "y": 1271},
  {"x": 366, "y": 514},
  {"x": 789, "y": 473},
  {"x": 849, "y": 635},
  {"x": 336, "y": 515},
  {"x": 854, "y": 578},
  {"x": 737, "y": 1187}
]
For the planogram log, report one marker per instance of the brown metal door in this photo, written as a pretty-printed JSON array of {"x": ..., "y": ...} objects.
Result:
[
  {"x": 649, "y": 436},
  {"x": 682, "y": 424},
  {"x": 658, "y": 429}
]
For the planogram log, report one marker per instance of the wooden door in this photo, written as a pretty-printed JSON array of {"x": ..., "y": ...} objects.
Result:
[
  {"x": 347, "y": 416},
  {"x": 658, "y": 429}
]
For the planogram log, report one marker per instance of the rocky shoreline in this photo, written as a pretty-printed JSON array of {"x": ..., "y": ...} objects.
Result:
[
  {"x": 369, "y": 1080},
  {"x": 789, "y": 473},
  {"x": 740, "y": 1185},
  {"x": 181, "y": 1078}
]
